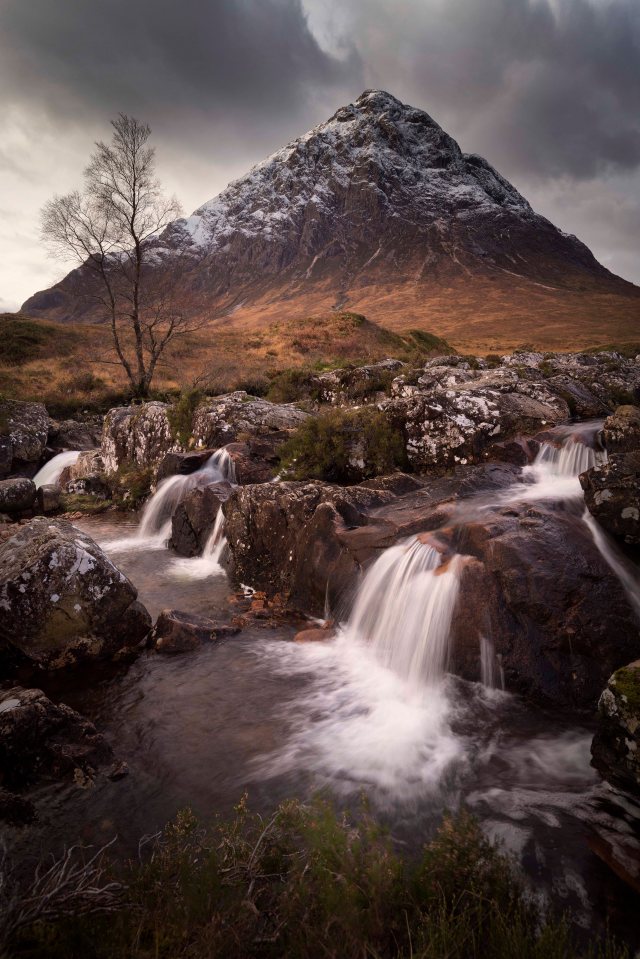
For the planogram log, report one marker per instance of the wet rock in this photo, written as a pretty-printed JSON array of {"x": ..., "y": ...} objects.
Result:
[
  {"x": 319, "y": 634},
  {"x": 74, "y": 435},
  {"x": 87, "y": 475},
  {"x": 179, "y": 632},
  {"x": 140, "y": 435},
  {"x": 16, "y": 495},
  {"x": 224, "y": 419},
  {"x": 536, "y": 586},
  {"x": 62, "y": 600},
  {"x": 178, "y": 463},
  {"x": 194, "y": 518},
  {"x": 48, "y": 499},
  {"x": 616, "y": 745},
  {"x": 42, "y": 741},
  {"x": 612, "y": 491},
  {"x": 24, "y": 429},
  {"x": 258, "y": 459}
]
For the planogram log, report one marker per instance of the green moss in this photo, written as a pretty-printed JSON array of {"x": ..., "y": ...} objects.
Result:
[
  {"x": 627, "y": 684},
  {"x": 130, "y": 486},
  {"x": 83, "y": 503},
  {"x": 325, "y": 447}
]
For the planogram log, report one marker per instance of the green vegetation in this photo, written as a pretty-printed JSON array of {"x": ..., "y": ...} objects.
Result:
[
  {"x": 83, "y": 503},
  {"x": 302, "y": 884},
  {"x": 180, "y": 414},
  {"x": 291, "y": 385},
  {"x": 343, "y": 446},
  {"x": 429, "y": 342},
  {"x": 130, "y": 486}
]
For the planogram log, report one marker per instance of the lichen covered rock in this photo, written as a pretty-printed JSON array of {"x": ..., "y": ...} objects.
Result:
[
  {"x": 23, "y": 435},
  {"x": 16, "y": 495},
  {"x": 223, "y": 419},
  {"x": 137, "y": 434},
  {"x": 612, "y": 490},
  {"x": 616, "y": 745},
  {"x": 62, "y": 600}
]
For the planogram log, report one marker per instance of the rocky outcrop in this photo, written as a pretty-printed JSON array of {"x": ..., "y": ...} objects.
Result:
[
  {"x": 24, "y": 428},
  {"x": 224, "y": 419},
  {"x": 141, "y": 435},
  {"x": 62, "y": 601},
  {"x": 616, "y": 745},
  {"x": 179, "y": 632},
  {"x": 16, "y": 495},
  {"x": 194, "y": 518},
  {"x": 452, "y": 413},
  {"x": 355, "y": 384},
  {"x": 86, "y": 475},
  {"x": 74, "y": 435},
  {"x": 40, "y": 742},
  {"x": 178, "y": 463},
  {"x": 612, "y": 491}
]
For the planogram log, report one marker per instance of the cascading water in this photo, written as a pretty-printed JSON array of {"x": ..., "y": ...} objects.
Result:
[
  {"x": 491, "y": 672},
  {"x": 155, "y": 523},
  {"x": 51, "y": 472},
  {"x": 404, "y": 608},
  {"x": 208, "y": 564}
]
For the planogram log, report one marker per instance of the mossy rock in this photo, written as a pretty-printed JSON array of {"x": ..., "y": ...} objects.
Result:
[{"x": 616, "y": 745}]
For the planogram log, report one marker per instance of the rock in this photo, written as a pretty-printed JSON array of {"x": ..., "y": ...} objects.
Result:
[
  {"x": 41, "y": 741},
  {"x": 62, "y": 601},
  {"x": 223, "y": 419},
  {"x": 48, "y": 498},
  {"x": 16, "y": 495},
  {"x": 86, "y": 475},
  {"x": 194, "y": 518},
  {"x": 140, "y": 435},
  {"x": 74, "y": 435},
  {"x": 359, "y": 384},
  {"x": 612, "y": 490},
  {"x": 318, "y": 635},
  {"x": 182, "y": 464},
  {"x": 453, "y": 415},
  {"x": 258, "y": 459},
  {"x": 24, "y": 428},
  {"x": 178, "y": 632},
  {"x": 616, "y": 745}
]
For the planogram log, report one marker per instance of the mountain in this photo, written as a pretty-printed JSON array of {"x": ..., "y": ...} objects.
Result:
[{"x": 378, "y": 210}]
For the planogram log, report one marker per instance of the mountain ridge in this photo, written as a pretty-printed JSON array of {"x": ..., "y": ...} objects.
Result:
[{"x": 376, "y": 200}]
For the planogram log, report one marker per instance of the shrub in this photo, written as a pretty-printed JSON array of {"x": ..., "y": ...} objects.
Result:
[
  {"x": 291, "y": 385},
  {"x": 180, "y": 414},
  {"x": 303, "y": 883},
  {"x": 344, "y": 446},
  {"x": 429, "y": 342}
]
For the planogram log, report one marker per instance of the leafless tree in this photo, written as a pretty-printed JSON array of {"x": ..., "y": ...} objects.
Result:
[{"x": 110, "y": 228}]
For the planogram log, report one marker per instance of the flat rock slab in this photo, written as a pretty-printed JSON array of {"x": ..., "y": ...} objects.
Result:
[{"x": 179, "y": 632}]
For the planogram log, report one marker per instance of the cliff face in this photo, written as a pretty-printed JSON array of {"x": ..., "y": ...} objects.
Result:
[{"x": 377, "y": 202}]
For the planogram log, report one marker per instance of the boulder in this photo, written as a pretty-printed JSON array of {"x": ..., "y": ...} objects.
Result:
[
  {"x": 140, "y": 435},
  {"x": 179, "y": 632},
  {"x": 86, "y": 475},
  {"x": 258, "y": 459},
  {"x": 358, "y": 384},
  {"x": 74, "y": 435},
  {"x": 42, "y": 741},
  {"x": 62, "y": 601},
  {"x": 16, "y": 495},
  {"x": 453, "y": 415},
  {"x": 194, "y": 518},
  {"x": 179, "y": 463},
  {"x": 616, "y": 745},
  {"x": 223, "y": 419},
  {"x": 48, "y": 499},
  {"x": 24, "y": 428},
  {"x": 612, "y": 490}
]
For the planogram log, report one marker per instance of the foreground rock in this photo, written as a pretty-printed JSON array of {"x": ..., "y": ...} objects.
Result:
[
  {"x": 612, "y": 491},
  {"x": 616, "y": 745},
  {"x": 41, "y": 741},
  {"x": 16, "y": 495},
  {"x": 62, "y": 601},
  {"x": 24, "y": 428},
  {"x": 179, "y": 632},
  {"x": 533, "y": 582}
]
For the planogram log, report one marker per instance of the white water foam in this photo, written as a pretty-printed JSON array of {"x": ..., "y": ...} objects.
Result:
[
  {"x": 51, "y": 472},
  {"x": 208, "y": 564}
]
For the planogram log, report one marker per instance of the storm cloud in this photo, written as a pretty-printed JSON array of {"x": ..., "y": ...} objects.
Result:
[{"x": 547, "y": 90}]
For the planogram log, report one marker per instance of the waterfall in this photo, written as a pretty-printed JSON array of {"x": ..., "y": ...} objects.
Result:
[
  {"x": 51, "y": 472},
  {"x": 491, "y": 673},
  {"x": 155, "y": 523},
  {"x": 618, "y": 563},
  {"x": 208, "y": 564},
  {"x": 404, "y": 608}
]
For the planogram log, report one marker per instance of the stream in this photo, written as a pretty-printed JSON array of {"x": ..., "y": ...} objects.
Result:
[{"x": 372, "y": 711}]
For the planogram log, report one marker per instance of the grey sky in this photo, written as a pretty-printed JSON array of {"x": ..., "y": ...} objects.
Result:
[{"x": 547, "y": 90}]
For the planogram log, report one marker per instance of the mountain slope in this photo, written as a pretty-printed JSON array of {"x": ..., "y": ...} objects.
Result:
[{"x": 379, "y": 210}]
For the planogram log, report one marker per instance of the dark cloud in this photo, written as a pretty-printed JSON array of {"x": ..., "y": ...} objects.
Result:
[{"x": 547, "y": 90}]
